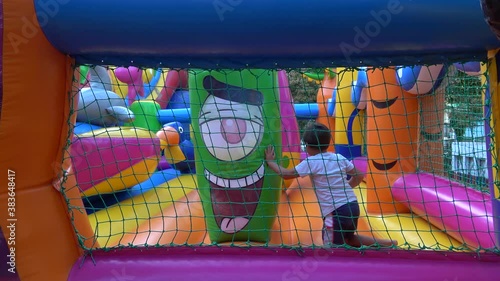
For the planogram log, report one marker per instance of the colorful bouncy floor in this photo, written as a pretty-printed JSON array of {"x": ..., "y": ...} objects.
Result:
[{"x": 172, "y": 214}]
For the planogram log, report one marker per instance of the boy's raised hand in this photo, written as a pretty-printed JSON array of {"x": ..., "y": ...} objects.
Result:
[{"x": 270, "y": 155}]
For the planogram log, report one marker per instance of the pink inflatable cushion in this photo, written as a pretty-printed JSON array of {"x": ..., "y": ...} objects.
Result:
[
  {"x": 97, "y": 158},
  {"x": 464, "y": 213}
]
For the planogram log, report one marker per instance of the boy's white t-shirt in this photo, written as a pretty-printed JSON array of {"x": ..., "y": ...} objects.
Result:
[{"x": 328, "y": 173}]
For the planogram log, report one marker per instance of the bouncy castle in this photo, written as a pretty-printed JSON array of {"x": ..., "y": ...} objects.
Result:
[{"x": 142, "y": 156}]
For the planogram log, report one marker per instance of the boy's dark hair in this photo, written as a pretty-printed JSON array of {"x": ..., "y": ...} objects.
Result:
[{"x": 317, "y": 135}]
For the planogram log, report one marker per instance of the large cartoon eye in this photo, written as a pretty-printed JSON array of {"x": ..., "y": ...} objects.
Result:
[
  {"x": 180, "y": 129},
  {"x": 231, "y": 139},
  {"x": 232, "y": 132}
]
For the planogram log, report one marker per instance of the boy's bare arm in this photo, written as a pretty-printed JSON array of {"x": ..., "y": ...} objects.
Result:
[
  {"x": 356, "y": 177},
  {"x": 283, "y": 172}
]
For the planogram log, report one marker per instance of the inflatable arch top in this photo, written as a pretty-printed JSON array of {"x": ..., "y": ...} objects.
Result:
[{"x": 266, "y": 34}]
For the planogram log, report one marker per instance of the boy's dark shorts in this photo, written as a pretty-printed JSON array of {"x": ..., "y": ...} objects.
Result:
[{"x": 345, "y": 222}]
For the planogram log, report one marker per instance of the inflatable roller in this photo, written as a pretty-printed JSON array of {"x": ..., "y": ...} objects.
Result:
[
  {"x": 408, "y": 229},
  {"x": 404, "y": 227},
  {"x": 462, "y": 212}
]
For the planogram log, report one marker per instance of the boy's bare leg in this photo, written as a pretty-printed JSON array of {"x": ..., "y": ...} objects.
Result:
[{"x": 327, "y": 236}]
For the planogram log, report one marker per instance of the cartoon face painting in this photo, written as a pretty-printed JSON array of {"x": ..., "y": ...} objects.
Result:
[
  {"x": 231, "y": 120},
  {"x": 231, "y": 132},
  {"x": 392, "y": 122}
]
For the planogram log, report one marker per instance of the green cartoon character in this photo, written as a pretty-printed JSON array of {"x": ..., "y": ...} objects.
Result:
[{"x": 235, "y": 116}]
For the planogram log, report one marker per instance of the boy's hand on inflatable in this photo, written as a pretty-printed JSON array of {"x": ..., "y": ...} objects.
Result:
[{"x": 270, "y": 155}]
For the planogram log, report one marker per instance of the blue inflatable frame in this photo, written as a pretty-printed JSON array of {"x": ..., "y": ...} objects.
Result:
[{"x": 267, "y": 33}]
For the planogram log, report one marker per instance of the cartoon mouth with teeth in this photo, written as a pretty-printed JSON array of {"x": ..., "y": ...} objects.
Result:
[
  {"x": 233, "y": 180},
  {"x": 234, "y": 201}
]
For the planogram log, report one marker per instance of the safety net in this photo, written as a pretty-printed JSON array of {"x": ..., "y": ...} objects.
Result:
[{"x": 266, "y": 157}]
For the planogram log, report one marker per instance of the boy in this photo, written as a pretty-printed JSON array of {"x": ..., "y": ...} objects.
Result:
[{"x": 328, "y": 173}]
